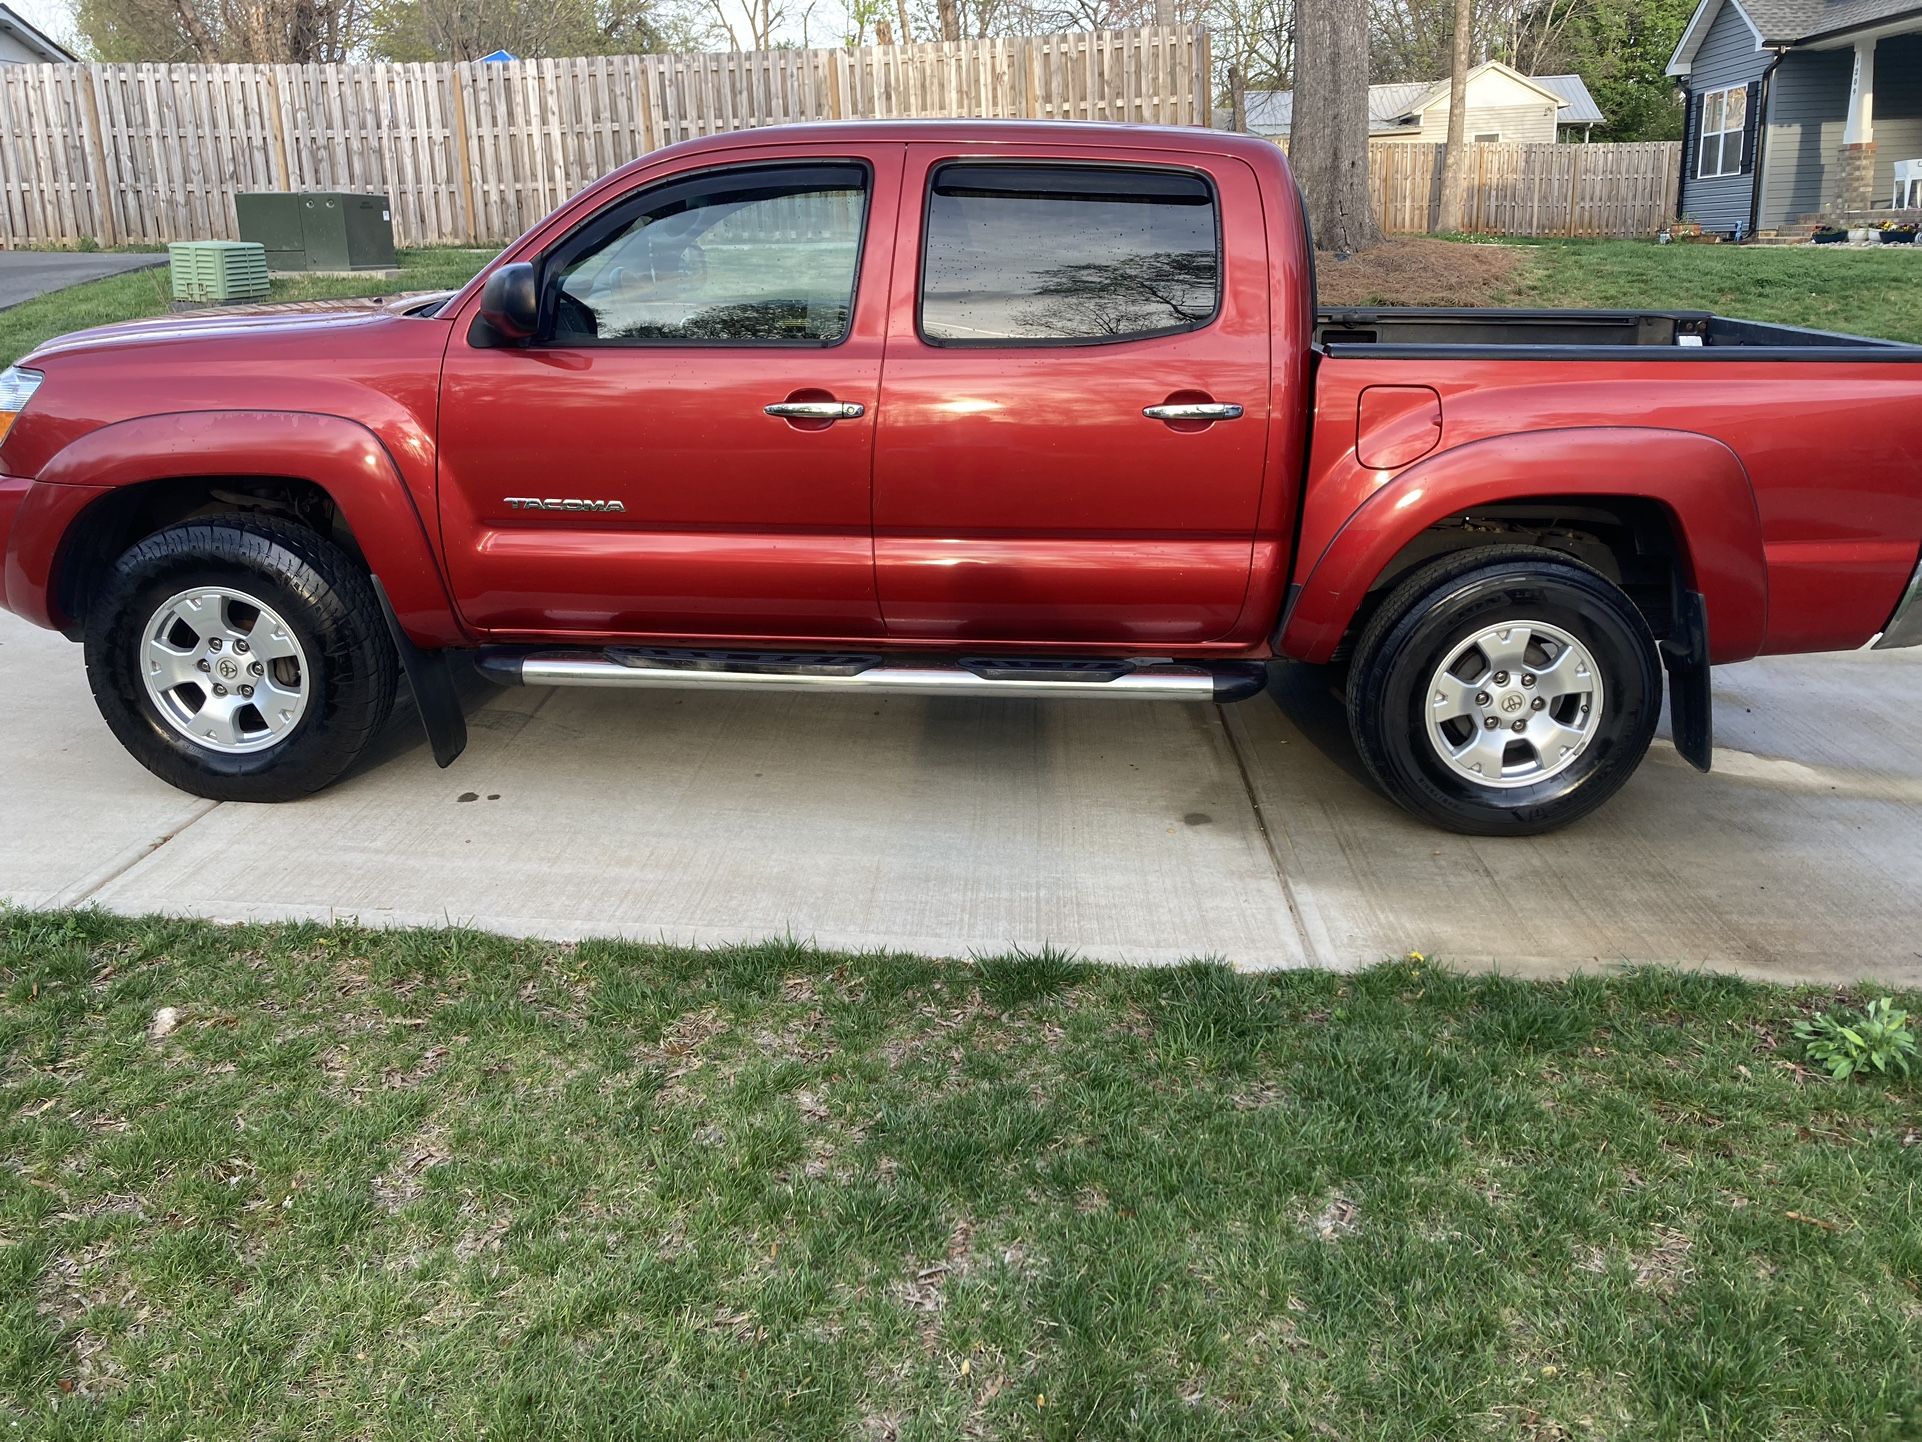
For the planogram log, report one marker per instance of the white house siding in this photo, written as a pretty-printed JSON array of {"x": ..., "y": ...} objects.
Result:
[
  {"x": 1728, "y": 57},
  {"x": 1514, "y": 123}
]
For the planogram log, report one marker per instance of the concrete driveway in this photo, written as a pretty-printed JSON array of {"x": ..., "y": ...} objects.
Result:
[
  {"x": 25, "y": 274},
  {"x": 1144, "y": 833}
]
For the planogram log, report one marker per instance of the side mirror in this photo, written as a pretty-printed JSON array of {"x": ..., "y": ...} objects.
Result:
[{"x": 510, "y": 305}]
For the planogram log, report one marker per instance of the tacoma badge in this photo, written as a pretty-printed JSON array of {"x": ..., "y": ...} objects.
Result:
[{"x": 530, "y": 503}]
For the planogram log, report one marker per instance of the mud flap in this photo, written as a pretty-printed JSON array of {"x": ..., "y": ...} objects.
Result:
[
  {"x": 431, "y": 677},
  {"x": 1685, "y": 654}
]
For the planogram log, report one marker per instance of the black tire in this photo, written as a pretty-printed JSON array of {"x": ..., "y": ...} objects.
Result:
[
  {"x": 325, "y": 599},
  {"x": 1438, "y": 609}
]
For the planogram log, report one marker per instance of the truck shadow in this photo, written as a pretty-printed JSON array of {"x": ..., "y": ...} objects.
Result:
[
  {"x": 404, "y": 734},
  {"x": 1310, "y": 697}
]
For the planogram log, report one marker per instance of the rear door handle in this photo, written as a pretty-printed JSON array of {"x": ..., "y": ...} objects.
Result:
[
  {"x": 816, "y": 410},
  {"x": 1193, "y": 411}
]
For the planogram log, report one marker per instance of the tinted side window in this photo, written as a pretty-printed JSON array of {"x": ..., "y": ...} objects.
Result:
[
  {"x": 748, "y": 256},
  {"x": 1066, "y": 255}
]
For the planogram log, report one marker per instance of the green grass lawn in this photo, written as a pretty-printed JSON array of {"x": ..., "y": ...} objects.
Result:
[
  {"x": 407, "y": 1185},
  {"x": 148, "y": 293},
  {"x": 1877, "y": 292}
]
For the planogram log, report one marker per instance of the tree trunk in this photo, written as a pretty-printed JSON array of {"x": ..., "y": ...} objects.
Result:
[
  {"x": 901, "y": 14},
  {"x": 950, "y": 13},
  {"x": 1328, "y": 142},
  {"x": 1237, "y": 101},
  {"x": 884, "y": 32},
  {"x": 1454, "y": 186}
]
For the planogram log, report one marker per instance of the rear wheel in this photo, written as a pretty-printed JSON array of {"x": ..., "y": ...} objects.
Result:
[
  {"x": 241, "y": 658},
  {"x": 1504, "y": 692}
]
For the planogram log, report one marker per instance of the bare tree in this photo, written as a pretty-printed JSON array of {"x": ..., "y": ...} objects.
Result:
[
  {"x": 222, "y": 31},
  {"x": 1328, "y": 144},
  {"x": 1454, "y": 186}
]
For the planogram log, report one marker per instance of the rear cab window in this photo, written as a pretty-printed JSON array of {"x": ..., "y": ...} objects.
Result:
[{"x": 1052, "y": 254}]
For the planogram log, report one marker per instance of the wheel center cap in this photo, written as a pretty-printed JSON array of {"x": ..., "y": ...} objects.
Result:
[
  {"x": 228, "y": 669},
  {"x": 1512, "y": 702}
]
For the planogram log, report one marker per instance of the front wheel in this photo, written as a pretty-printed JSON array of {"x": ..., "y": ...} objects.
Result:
[
  {"x": 241, "y": 658},
  {"x": 1505, "y": 692}
]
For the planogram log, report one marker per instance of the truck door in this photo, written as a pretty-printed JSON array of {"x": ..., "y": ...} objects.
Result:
[
  {"x": 684, "y": 448},
  {"x": 1075, "y": 403}
]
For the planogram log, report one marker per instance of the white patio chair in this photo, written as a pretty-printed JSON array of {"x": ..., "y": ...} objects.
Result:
[{"x": 1908, "y": 181}]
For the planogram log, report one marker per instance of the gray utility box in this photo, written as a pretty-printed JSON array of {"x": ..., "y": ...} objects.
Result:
[{"x": 319, "y": 231}]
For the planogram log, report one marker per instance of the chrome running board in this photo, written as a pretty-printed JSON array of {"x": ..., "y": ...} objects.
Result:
[{"x": 1019, "y": 678}]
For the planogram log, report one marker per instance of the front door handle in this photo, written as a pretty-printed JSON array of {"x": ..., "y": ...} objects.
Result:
[
  {"x": 1193, "y": 411},
  {"x": 816, "y": 410}
]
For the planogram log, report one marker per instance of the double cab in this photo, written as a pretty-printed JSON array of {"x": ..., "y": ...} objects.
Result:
[{"x": 957, "y": 408}]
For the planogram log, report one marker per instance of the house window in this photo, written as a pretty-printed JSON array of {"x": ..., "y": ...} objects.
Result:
[
  {"x": 1491, "y": 137},
  {"x": 1724, "y": 120}
]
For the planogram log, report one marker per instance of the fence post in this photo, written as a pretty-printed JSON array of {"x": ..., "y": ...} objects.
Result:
[
  {"x": 1202, "y": 92},
  {"x": 283, "y": 172},
  {"x": 464, "y": 155},
  {"x": 837, "y": 94},
  {"x": 1574, "y": 186},
  {"x": 105, "y": 200}
]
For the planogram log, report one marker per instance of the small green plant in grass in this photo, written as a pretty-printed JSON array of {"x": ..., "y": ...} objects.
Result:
[{"x": 1846, "y": 1044}]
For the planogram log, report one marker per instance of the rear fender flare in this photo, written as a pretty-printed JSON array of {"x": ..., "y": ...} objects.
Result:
[
  {"x": 1697, "y": 479},
  {"x": 344, "y": 458}
]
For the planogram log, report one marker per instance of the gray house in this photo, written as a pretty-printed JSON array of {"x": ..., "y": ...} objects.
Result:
[
  {"x": 1797, "y": 107},
  {"x": 22, "y": 43}
]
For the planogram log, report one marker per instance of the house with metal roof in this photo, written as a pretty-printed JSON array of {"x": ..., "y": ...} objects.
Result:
[
  {"x": 1799, "y": 108},
  {"x": 1503, "y": 105}
]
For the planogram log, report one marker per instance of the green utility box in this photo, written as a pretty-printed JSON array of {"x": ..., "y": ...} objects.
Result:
[
  {"x": 322, "y": 231},
  {"x": 217, "y": 270}
]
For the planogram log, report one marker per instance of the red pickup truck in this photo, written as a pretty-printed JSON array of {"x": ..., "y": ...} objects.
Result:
[{"x": 957, "y": 408}]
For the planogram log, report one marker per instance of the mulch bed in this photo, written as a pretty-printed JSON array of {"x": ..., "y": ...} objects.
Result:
[{"x": 1408, "y": 270}]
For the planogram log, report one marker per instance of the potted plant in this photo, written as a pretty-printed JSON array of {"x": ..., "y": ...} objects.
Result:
[
  {"x": 1829, "y": 235},
  {"x": 1897, "y": 232}
]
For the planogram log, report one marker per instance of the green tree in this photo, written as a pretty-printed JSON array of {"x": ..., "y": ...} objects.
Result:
[{"x": 1620, "y": 48}]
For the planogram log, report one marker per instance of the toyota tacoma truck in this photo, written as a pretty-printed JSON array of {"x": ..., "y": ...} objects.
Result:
[{"x": 957, "y": 409}]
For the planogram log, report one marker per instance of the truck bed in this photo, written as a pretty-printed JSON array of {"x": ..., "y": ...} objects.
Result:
[{"x": 1443, "y": 333}]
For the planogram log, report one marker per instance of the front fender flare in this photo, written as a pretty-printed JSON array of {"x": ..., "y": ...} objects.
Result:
[
  {"x": 1697, "y": 479},
  {"x": 343, "y": 457}
]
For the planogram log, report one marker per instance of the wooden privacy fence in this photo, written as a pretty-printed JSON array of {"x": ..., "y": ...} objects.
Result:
[
  {"x": 478, "y": 152},
  {"x": 1620, "y": 190}
]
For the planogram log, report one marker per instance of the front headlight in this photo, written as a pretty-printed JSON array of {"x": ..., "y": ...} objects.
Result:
[{"x": 16, "y": 389}]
